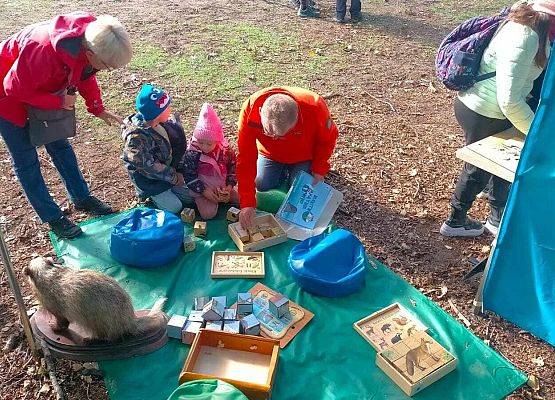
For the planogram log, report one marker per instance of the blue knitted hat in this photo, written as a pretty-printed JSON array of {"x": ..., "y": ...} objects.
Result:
[{"x": 151, "y": 101}]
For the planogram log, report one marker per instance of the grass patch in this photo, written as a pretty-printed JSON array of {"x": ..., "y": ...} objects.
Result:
[
  {"x": 455, "y": 10},
  {"x": 239, "y": 56}
]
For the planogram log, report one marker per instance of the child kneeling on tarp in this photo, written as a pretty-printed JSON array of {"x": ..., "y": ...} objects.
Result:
[
  {"x": 154, "y": 148},
  {"x": 209, "y": 165}
]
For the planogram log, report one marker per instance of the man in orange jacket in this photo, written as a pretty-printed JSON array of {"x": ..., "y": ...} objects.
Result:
[{"x": 282, "y": 130}]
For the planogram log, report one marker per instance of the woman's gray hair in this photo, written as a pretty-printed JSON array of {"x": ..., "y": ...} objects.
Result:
[
  {"x": 281, "y": 112},
  {"x": 108, "y": 40}
]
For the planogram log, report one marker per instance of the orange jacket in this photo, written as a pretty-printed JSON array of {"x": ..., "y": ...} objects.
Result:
[{"x": 313, "y": 138}]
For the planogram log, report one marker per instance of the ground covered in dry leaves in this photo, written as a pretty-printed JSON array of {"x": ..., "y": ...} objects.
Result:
[{"x": 394, "y": 160}]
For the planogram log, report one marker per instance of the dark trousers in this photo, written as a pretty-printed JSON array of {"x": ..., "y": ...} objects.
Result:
[
  {"x": 473, "y": 180},
  {"x": 341, "y": 8},
  {"x": 26, "y": 165}
]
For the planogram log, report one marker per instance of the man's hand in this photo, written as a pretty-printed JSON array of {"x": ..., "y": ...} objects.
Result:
[
  {"x": 110, "y": 118},
  {"x": 69, "y": 101},
  {"x": 211, "y": 194},
  {"x": 246, "y": 217},
  {"x": 316, "y": 178}
]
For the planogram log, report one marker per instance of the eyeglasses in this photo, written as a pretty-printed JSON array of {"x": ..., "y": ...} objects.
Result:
[{"x": 106, "y": 66}]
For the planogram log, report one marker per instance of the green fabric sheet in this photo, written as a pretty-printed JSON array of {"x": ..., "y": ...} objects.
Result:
[{"x": 328, "y": 359}]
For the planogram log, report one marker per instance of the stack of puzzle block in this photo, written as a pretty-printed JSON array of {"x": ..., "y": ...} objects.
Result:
[{"x": 213, "y": 314}]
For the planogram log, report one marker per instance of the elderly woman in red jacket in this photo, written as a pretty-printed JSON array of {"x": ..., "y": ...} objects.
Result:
[{"x": 37, "y": 66}]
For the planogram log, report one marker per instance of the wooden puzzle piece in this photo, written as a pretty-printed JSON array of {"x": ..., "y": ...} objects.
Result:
[
  {"x": 200, "y": 228},
  {"x": 188, "y": 215}
]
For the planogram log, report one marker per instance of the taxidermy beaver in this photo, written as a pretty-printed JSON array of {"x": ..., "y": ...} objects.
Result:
[{"x": 91, "y": 299}]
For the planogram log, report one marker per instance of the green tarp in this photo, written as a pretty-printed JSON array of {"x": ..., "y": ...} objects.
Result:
[{"x": 326, "y": 360}]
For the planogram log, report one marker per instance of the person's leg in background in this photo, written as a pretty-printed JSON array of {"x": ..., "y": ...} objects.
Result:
[
  {"x": 65, "y": 160},
  {"x": 26, "y": 165},
  {"x": 340, "y": 11},
  {"x": 270, "y": 174},
  {"x": 354, "y": 10},
  {"x": 306, "y": 10},
  {"x": 294, "y": 169},
  {"x": 472, "y": 180},
  {"x": 497, "y": 196},
  {"x": 167, "y": 201}
]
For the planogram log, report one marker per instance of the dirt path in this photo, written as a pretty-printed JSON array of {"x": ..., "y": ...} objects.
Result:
[{"x": 394, "y": 159}]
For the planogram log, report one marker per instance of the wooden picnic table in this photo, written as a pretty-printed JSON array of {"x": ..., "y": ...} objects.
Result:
[{"x": 498, "y": 154}]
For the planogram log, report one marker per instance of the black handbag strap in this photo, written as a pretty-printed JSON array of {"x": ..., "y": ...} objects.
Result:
[{"x": 485, "y": 76}]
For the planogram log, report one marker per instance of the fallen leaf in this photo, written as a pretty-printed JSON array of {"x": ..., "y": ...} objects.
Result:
[
  {"x": 486, "y": 249},
  {"x": 44, "y": 389},
  {"x": 413, "y": 172},
  {"x": 538, "y": 361},
  {"x": 449, "y": 247},
  {"x": 443, "y": 291},
  {"x": 432, "y": 88},
  {"x": 533, "y": 382}
]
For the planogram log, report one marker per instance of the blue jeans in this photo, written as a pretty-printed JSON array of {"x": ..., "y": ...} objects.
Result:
[
  {"x": 272, "y": 174},
  {"x": 341, "y": 8},
  {"x": 26, "y": 165},
  {"x": 173, "y": 200}
]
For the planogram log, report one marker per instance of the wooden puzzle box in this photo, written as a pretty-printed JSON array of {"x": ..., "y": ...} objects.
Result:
[
  {"x": 266, "y": 232},
  {"x": 405, "y": 352},
  {"x": 247, "y": 362}
]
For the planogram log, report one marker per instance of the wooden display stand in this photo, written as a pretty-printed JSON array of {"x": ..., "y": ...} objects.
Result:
[
  {"x": 267, "y": 232},
  {"x": 247, "y": 362}
]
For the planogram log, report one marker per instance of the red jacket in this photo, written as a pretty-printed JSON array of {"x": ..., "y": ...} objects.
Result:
[
  {"x": 37, "y": 65},
  {"x": 313, "y": 138}
]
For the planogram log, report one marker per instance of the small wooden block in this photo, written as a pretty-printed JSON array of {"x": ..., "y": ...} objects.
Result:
[
  {"x": 200, "y": 302},
  {"x": 243, "y": 234},
  {"x": 277, "y": 231},
  {"x": 188, "y": 244},
  {"x": 257, "y": 237},
  {"x": 220, "y": 299},
  {"x": 267, "y": 233},
  {"x": 214, "y": 325},
  {"x": 200, "y": 228},
  {"x": 232, "y": 326},
  {"x": 230, "y": 314},
  {"x": 175, "y": 326},
  {"x": 189, "y": 331},
  {"x": 188, "y": 215},
  {"x": 196, "y": 316},
  {"x": 233, "y": 214}
]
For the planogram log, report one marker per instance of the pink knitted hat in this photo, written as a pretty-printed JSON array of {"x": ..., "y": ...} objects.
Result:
[
  {"x": 545, "y": 6},
  {"x": 209, "y": 126}
]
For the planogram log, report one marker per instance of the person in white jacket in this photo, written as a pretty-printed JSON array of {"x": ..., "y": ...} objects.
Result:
[{"x": 518, "y": 54}]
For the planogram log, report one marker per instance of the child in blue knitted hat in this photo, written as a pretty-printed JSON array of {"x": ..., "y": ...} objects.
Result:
[{"x": 154, "y": 147}]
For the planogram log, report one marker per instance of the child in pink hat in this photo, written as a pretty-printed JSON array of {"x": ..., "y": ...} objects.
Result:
[{"x": 209, "y": 165}]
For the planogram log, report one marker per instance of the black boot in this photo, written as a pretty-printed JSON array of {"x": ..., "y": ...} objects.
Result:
[
  {"x": 64, "y": 228},
  {"x": 494, "y": 220},
  {"x": 460, "y": 225},
  {"x": 93, "y": 206}
]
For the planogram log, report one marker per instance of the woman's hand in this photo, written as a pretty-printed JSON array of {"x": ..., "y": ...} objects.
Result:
[
  {"x": 109, "y": 117},
  {"x": 246, "y": 217},
  {"x": 68, "y": 101},
  {"x": 211, "y": 195}
]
